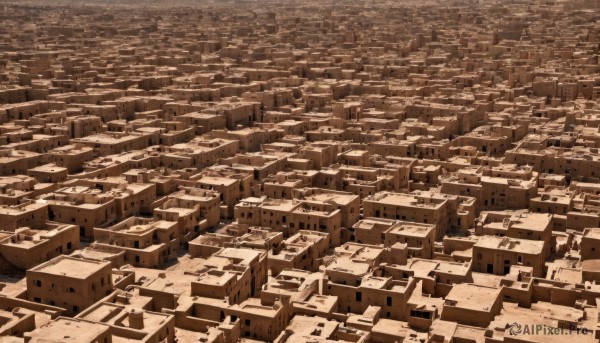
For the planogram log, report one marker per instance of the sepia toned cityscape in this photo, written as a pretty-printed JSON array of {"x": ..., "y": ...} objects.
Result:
[{"x": 350, "y": 171}]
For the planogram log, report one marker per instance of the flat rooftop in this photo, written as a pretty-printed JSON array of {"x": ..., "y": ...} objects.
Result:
[
  {"x": 472, "y": 297},
  {"x": 70, "y": 267}
]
